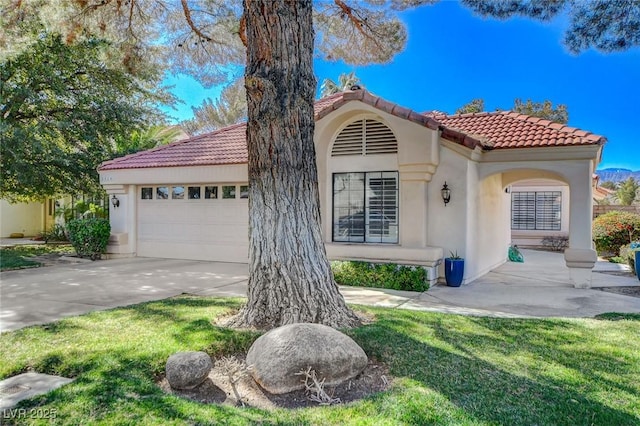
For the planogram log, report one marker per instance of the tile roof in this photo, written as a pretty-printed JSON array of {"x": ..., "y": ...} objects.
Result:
[
  {"x": 223, "y": 146},
  {"x": 600, "y": 193},
  {"x": 496, "y": 130},
  {"x": 505, "y": 130}
]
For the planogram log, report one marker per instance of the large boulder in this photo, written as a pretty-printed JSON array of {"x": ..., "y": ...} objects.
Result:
[
  {"x": 186, "y": 370},
  {"x": 278, "y": 355}
]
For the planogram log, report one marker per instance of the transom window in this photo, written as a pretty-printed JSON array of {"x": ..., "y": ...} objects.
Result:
[
  {"x": 365, "y": 137},
  {"x": 365, "y": 207},
  {"x": 540, "y": 211}
]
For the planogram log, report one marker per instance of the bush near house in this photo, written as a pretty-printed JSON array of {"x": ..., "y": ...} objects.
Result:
[
  {"x": 89, "y": 237},
  {"x": 383, "y": 275},
  {"x": 615, "y": 229},
  {"x": 57, "y": 233},
  {"x": 555, "y": 243}
]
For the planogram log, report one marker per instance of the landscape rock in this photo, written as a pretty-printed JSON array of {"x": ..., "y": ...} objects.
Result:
[
  {"x": 186, "y": 370},
  {"x": 278, "y": 355}
]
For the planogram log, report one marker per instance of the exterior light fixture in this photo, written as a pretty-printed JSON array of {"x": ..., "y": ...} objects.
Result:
[
  {"x": 115, "y": 202},
  {"x": 446, "y": 194}
]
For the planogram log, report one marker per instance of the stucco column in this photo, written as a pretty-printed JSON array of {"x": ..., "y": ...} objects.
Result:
[
  {"x": 122, "y": 220},
  {"x": 413, "y": 210},
  {"x": 580, "y": 257}
]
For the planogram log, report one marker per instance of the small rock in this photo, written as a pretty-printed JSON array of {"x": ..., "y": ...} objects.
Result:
[
  {"x": 186, "y": 370},
  {"x": 278, "y": 355}
]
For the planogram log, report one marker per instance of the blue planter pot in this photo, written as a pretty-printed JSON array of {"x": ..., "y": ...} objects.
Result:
[
  {"x": 637, "y": 262},
  {"x": 453, "y": 271}
]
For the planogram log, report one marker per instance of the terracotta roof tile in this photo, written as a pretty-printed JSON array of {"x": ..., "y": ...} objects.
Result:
[
  {"x": 506, "y": 129},
  {"x": 224, "y": 146},
  {"x": 488, "y": 130}
]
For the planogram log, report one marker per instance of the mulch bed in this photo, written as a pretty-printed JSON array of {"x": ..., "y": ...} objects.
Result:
[{"x": 217, "y": 389}]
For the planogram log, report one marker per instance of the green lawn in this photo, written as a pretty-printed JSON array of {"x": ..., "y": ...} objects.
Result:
[
  {"x": 450, "y": 369},
  {"x": 19, "y": 256}
]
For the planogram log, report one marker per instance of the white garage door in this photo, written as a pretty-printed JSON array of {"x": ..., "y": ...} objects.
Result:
[{"x": 198, "y": 229}]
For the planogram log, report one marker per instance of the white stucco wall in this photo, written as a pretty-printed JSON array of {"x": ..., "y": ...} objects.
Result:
[
  {"x": 27, "y": 218},
  {"x": 489, "y": 227},
  {"x": 417, "y": 158},
  {"x": 447, "y": 224}
]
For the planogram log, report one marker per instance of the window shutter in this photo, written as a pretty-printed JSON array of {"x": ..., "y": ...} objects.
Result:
[
  {"x": 379, "y": 138},
  {"x": 365, "y": 137},
  {"x": 349, "y": 141}
]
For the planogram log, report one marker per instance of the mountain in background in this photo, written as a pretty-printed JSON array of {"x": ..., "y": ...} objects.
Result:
[{"x": 617, "y": 175}]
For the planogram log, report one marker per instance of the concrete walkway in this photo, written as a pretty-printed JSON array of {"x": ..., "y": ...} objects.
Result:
[{"x": 539, "y": 287}]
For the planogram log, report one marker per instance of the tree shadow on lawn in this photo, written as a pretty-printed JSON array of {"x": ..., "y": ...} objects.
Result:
[
  {"x": 486, "y": 390},
  {"x": 569, "y": 353},
  {"x": 115, "y": 388},
  {"x": 437, "y": 358}
]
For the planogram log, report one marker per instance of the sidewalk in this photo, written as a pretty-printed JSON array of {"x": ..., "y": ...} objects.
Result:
[{"x": 537, "y": 288}]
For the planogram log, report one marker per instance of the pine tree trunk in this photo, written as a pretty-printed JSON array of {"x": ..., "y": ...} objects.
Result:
[{"x": 290, "y": 279}]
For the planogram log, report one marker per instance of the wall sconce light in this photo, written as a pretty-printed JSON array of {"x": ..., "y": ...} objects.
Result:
[
  {"x": 115, "y": 202},
  {"x": 446, "y": 194}
]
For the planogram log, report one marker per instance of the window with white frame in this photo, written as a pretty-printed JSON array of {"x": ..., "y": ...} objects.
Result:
[
  {"x": 365, "y": 207},
  {"x": 536, "y": 211}
]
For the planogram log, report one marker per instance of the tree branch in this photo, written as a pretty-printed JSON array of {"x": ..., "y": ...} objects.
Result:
[
  {"x": 357, "y": 22},
  {"x": 192, "y": 25},
  {"x": 133, "y": 2}
]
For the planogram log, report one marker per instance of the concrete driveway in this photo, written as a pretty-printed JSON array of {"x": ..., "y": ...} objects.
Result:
[
  {"x": 41, "y": 295},
  {"x": 539, "y": 287}
]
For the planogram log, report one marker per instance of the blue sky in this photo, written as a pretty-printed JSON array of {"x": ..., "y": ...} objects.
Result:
[{"x": 453, "y": 57}]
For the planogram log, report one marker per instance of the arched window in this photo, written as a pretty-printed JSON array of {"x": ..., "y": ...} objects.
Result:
[{"x": 365, "y": 137}]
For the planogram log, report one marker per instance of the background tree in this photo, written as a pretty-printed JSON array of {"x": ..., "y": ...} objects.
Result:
[
  {"x": 289, "y": 275},
  {"x": 345, "y": 82},
  {"x": 476, "y": 105},
  {"x": 609, "y": 185},
  {"x": 60, "y": 110},
  {"x": 230, "y": 108},
  {"x": 605, "y": 25},
  {"x": 628, "y": 191},
  {"x": 542, "y": 110},
  {"x": 143, "y": 139}
]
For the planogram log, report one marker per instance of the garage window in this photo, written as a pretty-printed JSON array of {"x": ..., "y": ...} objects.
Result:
[
  {"x": 177, "y": 193},
  {"x": 162, "y": 193},
  {"x": 210, "y": 192},
  {"x": 194, "y": 192},
  {"x": 365, "y": 207},
  {"x": 229, "y": 191},
  {"x": 146, "y": 193},
  {"x": 244, "y": 191}
]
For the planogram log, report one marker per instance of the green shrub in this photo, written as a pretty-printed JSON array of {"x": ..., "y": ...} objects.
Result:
[
  {"x": 615, "y": 229},
  {"x": 627, "y": 254},
  {"x": 89, "y": 237},
  {"x": 382, "y": 275}
]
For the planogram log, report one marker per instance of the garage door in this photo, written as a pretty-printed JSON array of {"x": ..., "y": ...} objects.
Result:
[{"x": 214, "y": 229}]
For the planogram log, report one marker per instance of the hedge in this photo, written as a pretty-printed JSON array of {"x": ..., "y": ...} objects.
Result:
[
  {"x": 89, "y": 237},
  {"x": 615, "y": 229},
  {"x": 382, "y": 275}
]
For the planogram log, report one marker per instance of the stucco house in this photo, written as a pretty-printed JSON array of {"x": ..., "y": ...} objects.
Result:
[
  {"x": 26, "y": 218},
  {"x": 381, "y": 171}
]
